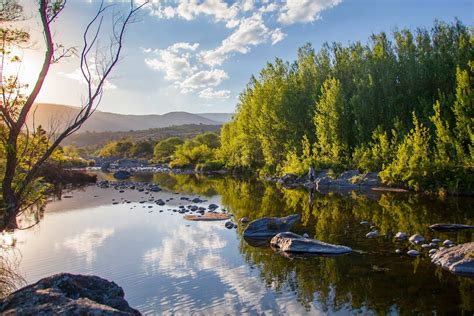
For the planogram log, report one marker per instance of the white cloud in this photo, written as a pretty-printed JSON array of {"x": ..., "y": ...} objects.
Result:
[
  {"x": 304, "y": 11},
  {"x": 272, "y": 7},
  {"x": 86, "y": 244},
  {"x": 190, "y": 9},
  {"x": 210, "y": 93},
  {"x": 203, "y": 79},
  {"x": 174, "y": 61},
  {"x": 277, "y": 36},
  {"x": 247, "y": 5},
  {"x": 251, "y": 32}
]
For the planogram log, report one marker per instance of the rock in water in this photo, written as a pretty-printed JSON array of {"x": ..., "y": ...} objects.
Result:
[
  {"x": 447, "y": 227},
  {"x": 372, "y": 234},
  {"x": 457, "y": 259},
  {"x": 416, "y": 239},
  {"x": 244, "y": 220},
  {"x": 68, "y": 294},
  {"x": 413, "y": 253},
  {"x": 290, "y": 242},
  {"x": 401, "y": 235},
  {"x": 122, "y": 175},
  {"x": 270, "y": 226},
  {"x": 229, "y": 225}
]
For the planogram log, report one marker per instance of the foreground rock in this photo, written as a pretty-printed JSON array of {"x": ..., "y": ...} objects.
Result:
[
  {"x": 457, "y": 259},
  {"x": 270, "y": 226},
  {"x": 447, "y": 227},
  {"x": 290, "y": 242},
  {"x": 68, "y": 294}
]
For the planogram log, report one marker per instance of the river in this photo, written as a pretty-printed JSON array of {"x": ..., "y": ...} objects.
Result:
[{"x": 166, "y": 264}]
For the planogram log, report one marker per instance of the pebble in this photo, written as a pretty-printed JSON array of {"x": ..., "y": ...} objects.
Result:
[
  {"x": 244, "y": 220},
  {"x": 413, "y": 253},
  {"x": 433, "y": 251},
  {"x": 372, "y": 234},
  {"x": 229, "y": 225},
  {"x": 364, "y": 223},
  {"x": 426, "y": 246},
  {"x": 401, "y": 235},
  {"x": 398, "y": 251},
  {"x": 448, "y": 243},
  {"x": 417, "y": 239}
]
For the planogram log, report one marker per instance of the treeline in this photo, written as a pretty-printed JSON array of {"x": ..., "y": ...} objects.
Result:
[
  {"x": 402, "y": 106},
  {"x": 199, "y": 152}
]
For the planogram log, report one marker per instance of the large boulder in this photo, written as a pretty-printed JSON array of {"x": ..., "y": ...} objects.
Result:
[
  {"x": 68, "y": 294},
  {"x": 270, "y": 226},
  {"x": 122, "y": 175},
  {"x": 290, "y": 242},
  {"x": 457, "y": 259}
]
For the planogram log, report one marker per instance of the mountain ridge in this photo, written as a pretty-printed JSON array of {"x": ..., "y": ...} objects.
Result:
[{"x": 57, "y": 116}]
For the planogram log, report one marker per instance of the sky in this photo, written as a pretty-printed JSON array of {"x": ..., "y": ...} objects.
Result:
[{"x": 198, "y": 55}]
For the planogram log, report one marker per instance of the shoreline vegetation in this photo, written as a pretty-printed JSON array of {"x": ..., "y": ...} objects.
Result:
[{"x": 401, "y": 108}]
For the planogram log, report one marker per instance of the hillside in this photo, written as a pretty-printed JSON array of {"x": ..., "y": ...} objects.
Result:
[
  {"x": 97, "y": 139},
  {"x": 53, "y": 115}
]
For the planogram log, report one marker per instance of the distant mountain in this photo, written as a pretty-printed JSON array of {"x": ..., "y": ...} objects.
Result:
[
  {"x": 55, "y": 116},
  {"x": 95, "y": 140},
  {"x": 217, "y": 117}
]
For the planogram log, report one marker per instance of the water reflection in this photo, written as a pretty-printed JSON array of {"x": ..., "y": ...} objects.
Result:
[
  {"x": 168, "y": 265},
  {"x": 87, "y": 243}
]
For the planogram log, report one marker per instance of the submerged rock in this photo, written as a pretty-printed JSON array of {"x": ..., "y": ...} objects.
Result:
[
  {"x": 447, "y": 227},
  {"x": 457, "y": 259},
  {"x": 270, "y": 226},
  {"x": 122, "y": 175},
  {"x": 416, "y": 239},
  {"x": 68, "y": 294},
  {"x": 290, "y": 242}
]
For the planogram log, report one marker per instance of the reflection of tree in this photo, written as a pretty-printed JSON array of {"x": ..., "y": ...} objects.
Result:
[
  {"x": 374, "y": 279},
  {"x": 10, "y": 279}
]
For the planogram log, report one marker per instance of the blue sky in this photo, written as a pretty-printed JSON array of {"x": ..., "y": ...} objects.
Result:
[{"x": 198, "y": 55}]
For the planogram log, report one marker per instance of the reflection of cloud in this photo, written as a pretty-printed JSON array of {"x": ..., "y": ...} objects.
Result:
[
  {"x": 86, "y": 244},
  {"x": 180, "y": 253}
]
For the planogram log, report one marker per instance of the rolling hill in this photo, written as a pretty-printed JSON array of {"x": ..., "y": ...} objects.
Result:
[{"x": 52, "y": 116}]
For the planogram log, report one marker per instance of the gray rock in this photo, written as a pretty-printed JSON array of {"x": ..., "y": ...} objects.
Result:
[
  {"x": 416, "y": 239},
  {"x": 122, "y": 175},
  {"x": 433, "y": 251},
  {"x": 229, "y": 225},
  {"x": 401, "y": 236},
  {"x": 458, "y": 259},
  {"x": 436, "y": 240},
  {"x": 213, "y": 206},
  {"x": 290, "y": 242},
  {"x": 68, "y": 294},
  {"x": 413, "y": 253},
  {"x": 447, "y": 227},
  {"x": 270, "y": 226},
  {"x": 311, "y": 174},
  {"x": 372, "y": 234},
  {"x": 364, "y": 223},
  {"x": 244, "y": 220},
  {"x": 448, "y": 243},
  {"x": 323, "y": 182},
  {"x": 426, "y": 246},
  {"x": 289, "y": 178}
]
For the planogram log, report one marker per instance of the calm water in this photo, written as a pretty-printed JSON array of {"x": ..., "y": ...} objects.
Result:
[{"x": 168, "y": 265}]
